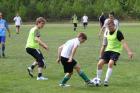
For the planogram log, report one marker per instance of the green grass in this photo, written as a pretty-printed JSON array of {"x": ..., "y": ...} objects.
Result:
[{"x": 14, "y": 77}]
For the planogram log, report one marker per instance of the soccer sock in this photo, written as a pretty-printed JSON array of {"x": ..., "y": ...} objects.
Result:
[
  {"x": 99, "y": 73},
  {"x": 39, "y": 74},
  {"x": 83, "y": 76},
  {"x": 3, "y": 48},
  {"x": 65, "y": 79},
  {"x": 108, "y": 74},
  {"x": 32, "y": 66}
]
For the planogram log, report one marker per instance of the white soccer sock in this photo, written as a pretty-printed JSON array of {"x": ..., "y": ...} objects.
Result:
[
  {"x": 108, "y": 74},
  {"x": 99, "y": 73}
]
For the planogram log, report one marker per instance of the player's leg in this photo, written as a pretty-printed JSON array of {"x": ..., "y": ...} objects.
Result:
[
  {"x": 41, "y": 65},
  {"x": 68, "y": 69},
  {"x": 3, "y": 45},
  {"x": 81, "y": 73},
  {"x": 0, "y": 45},
  {"x": 65, "y": 80},
  {"x": 31, "y": 68},
  {"x": 100, "y": 67},
  {"x": 113, "y": 59},
  {"x": 17, "y": 29},
  {"x": 75, "y": 26},
  {"x": 109, "y": 72}
]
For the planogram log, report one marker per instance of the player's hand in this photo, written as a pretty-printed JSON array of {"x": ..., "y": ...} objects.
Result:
[
  {"x": 130, "y": 55},
  {"x": 70, "y": 60},
  {"x": 58, "y": 60},
  {"x": 46, "y": 48}
]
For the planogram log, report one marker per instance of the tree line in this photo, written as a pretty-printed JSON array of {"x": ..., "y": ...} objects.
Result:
[{"x": 64, "y": 9}]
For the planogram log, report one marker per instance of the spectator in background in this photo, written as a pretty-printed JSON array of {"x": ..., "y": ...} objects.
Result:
[{"x": 18, "y": 22}]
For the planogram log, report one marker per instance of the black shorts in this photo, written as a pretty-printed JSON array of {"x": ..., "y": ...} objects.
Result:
[
  {"x": 75, "y": 24},
  {"x": 110, "y": 55},
  {"x": 85, "y": 24},
  {"x": 68, "y": 66},
  {"x": 18, "y": 26},
  {"x": 36, "y": 53}
]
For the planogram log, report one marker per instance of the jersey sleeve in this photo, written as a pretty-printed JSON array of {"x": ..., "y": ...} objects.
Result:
[
  {"x": 37, "y": 34},
  {"x": 120, "y": 36}
]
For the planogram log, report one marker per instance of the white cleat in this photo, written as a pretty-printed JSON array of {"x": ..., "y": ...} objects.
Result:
[
  {"x": 41, "y": 78},
  {"x": 64, "y": 85}
]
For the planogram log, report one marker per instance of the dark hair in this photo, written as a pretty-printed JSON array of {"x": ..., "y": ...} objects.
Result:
[
  {"x": 40, "y": 19},
  {"x": 82, "y": 35},
  {"x": 112, "y": 13}
]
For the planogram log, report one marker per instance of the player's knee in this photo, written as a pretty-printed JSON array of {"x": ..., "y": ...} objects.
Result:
[
  {"x": 99, "y": 65},
  {"x": 41, "y": 64},
  {"x": 110, "y": 64}
]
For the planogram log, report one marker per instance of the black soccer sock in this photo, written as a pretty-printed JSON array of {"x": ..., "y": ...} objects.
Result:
[
  {"x": 3, "y": 48},
  {"x": 32, "y": 66},
  {"x": 39, "y": 74}
]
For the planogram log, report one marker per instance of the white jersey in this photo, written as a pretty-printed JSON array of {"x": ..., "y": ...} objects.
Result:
[
  {"x": 85, "y": 19},
  {"x": 17, "y": 20},
  {"x": 68, "y": 46},
  {"x": 116, "y": 22}
]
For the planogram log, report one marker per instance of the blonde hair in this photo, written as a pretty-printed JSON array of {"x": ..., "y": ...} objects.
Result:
[
  {"x": 82, "y": 35},
  {"x": 40, "y": 19}
]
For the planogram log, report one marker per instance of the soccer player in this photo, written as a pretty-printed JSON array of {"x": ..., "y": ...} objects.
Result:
[
  {"x": 85, "y": 21},
  {"x": 66, "y": 54},
  {"x": 104, "y": 29},
  {"x": 112, "y": 52},
  {"x": 3, "y": 28},
  {"x": 32, "y": 48},
  {"x": 18, "y": 22},
  {"x": 102, "y": 19},
  {"x": 75, "y": 21}
]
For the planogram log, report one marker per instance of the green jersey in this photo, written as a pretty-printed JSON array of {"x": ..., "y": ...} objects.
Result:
[
  {"x": 31, "y": 42},
  {"x": 74, "y": 19},
  {"x": 113, "y": 43}
]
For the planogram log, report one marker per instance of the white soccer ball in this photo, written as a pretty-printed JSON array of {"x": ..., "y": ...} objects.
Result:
[{"x": 96, "y": 81}]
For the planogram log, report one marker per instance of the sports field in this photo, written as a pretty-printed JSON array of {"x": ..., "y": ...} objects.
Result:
[{"x": 14, "y": 77}]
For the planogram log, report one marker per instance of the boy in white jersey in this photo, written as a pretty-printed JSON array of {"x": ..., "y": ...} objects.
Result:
[
  {"x": 32, "y": 48},
  {"x": 85, "y": 21},
  {"x": 104, "y": 29},
  {"x": 18, "y": 21},
  {"x": 66, "y": 54}
]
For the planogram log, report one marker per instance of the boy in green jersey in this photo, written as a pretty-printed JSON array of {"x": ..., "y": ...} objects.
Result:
[
  {"x": 113, "y": 50},
  {"x": 32, "y": 48},
  {"x": 74, "y": 21}
]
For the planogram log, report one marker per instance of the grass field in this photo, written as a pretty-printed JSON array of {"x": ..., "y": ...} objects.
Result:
[{"x": 14, "y": 77}]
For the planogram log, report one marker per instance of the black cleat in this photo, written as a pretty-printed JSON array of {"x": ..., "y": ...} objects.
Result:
[{"x": 30, "y": 71}]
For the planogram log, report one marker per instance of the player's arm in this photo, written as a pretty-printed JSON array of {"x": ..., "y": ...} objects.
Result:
[
  {"x": 59, "y": 53},
  {"x": 7, "y": 27},
  {"x": 41, "y": 43},
  {"x": 101, "y": 30},
  {"x": 125, "y": 45},
  {"x": 73, "y": 53}
]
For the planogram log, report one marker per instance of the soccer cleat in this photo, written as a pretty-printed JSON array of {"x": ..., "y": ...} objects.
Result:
[
  {"x": 89, "y": 83},
  {"x": 64, "y": 85},
  {"x": 30, "y": 71},
  {"x": 106, "y": 83},
  {"x": 42, "y": 78}
]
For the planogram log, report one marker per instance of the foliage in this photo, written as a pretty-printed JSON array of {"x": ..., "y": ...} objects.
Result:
[{"x": 61, "y": 9}]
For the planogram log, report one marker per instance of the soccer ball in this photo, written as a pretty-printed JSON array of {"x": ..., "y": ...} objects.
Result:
[{"x": 96, "y": 81}]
